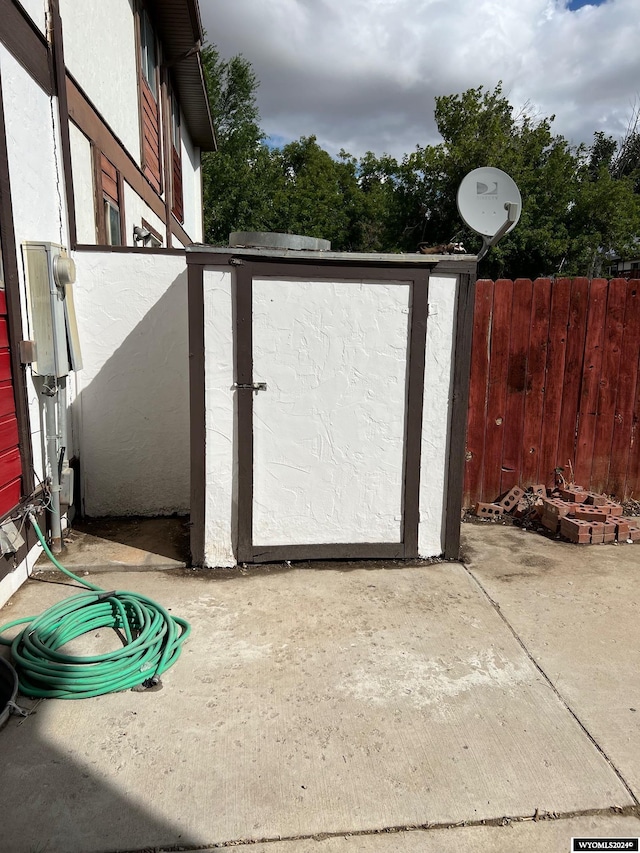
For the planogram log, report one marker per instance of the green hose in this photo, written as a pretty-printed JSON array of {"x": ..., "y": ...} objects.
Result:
[{"x": 152, "y": 642}]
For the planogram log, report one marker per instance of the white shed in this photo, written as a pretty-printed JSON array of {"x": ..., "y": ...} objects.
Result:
[{"x": 328, "y": 403}]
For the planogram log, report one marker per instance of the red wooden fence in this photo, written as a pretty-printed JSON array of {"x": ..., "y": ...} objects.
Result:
[{"x": 554, "y": 383}]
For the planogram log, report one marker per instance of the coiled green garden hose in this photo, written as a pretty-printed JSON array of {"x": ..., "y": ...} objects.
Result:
[{"x": 153, "y": 642}]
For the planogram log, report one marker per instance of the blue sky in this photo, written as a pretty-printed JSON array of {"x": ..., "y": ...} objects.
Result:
[
  {"x": 363, "y": 74},
  {"x": 574, "y": 5}
]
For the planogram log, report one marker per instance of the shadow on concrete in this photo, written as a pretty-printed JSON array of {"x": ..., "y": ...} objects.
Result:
[
  {"x": 167, "y": 536},
  {"x": 93, "y": 814}
]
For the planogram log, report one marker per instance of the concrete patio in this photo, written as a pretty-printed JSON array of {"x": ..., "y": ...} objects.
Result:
[{"x": 490, "y": 706}]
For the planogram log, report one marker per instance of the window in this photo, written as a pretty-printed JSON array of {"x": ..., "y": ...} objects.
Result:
[
  {"x": 176, "y": 161},
  {"x": 149, "y": 107},
  {"x": 109, "y": 202},
  {"x": 148, "y": 53}
]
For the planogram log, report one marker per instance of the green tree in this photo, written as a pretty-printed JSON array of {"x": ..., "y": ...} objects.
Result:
[{"x": 241, "y": 178}]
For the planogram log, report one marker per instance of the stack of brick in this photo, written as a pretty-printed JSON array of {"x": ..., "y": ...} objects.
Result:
[
  {"x": 587, "y": 518},
  {"x": 580, "y": 516}
]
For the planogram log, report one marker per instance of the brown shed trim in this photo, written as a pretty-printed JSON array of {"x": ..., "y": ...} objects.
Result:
[
  {"x": 26, "y": 44},
  {"x": 417, "y": 279},
  {"x": 197, "y": 411},
  {"x": 244, "y": 409},
  {"x": 458, "y": 421},
  {"x": 357, "y": 551},
  {"x": 415, "y": 402},
  {"x": 14, "y": 313}
]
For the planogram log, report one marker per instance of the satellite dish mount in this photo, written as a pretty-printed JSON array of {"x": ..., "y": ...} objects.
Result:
[{"x": 489, "y": 203}]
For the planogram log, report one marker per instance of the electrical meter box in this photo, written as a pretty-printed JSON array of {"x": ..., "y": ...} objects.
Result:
[{"x": 50, "y": 275}]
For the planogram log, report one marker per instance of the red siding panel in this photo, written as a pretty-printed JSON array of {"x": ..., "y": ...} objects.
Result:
[
  {"x": 10, "y": 496},
  {"x": 8, "y": 433}
]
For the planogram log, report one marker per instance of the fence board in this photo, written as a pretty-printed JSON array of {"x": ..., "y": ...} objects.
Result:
[
  {"x": 535, "y": 383},
  {"x": 476, "y": 423},
  {"x": 554, "y": 380},
  {"x": 496, "y": 397},
  {"x": 632, "y": 487},
  {"x": 590, "y": 380},
  {"x": 574, "y": 356},
  {"x": 625, "y": 394},
  {"x": 609, "y": 377},
  {"x": 516, "y": 384}
]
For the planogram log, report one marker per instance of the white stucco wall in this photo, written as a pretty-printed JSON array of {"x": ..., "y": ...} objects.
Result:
[
  {"x": 100, "y": 52},
  {"x": 435, "y": 419},
  {"x": 135, "y": 210},
  {"x": 83, "y": 191},
  {"x": 191, "y": 186},
  {"x": 221, "y": 444},
  {"x": 133, "y": 406},
  {"x": 36, "y": 189}
]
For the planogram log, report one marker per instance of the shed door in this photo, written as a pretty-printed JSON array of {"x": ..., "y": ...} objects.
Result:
[{"x": 326, "y": 446}]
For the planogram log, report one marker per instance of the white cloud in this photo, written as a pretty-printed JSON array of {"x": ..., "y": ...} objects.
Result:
[{"x": 363, "y": 74}]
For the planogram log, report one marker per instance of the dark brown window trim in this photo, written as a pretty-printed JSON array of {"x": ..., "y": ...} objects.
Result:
[
  {"x": 178, "y": 231},
  {"x": 90, "y": 122},
  {"x": 101, "y": 195},
  {"x": 128, "y": 250},
  {"x": 26, "y": 44},
  {"x": 153, "y": 102},
  {"x": 164, "y": 100},
  {"x": 86, "y": 117},
  {"x": 150, "y": 228}
]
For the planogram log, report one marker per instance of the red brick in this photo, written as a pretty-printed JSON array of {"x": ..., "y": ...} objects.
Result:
[
  {"x": 622, "y": 528},
  {"x": 550, "y": 522},
  {"x": 595, "y": 499},
  {"x": 540, "y": 489},
  {"x": 555, "y": 508},
  {"x": 634, "y": 534},
  {"x": 575, "y": 493},
  {"x": 511, "y": 498},
  {"x": 575, "y": 530},
  {"x": 594, "y": 513},
  {"x": 613, "y": 508},
  {"x": 597, "y": 532},
  {"x": 488, "y": 510}
]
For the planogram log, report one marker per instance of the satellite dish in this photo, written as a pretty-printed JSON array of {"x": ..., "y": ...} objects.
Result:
[{"x": 489, "y": 202}]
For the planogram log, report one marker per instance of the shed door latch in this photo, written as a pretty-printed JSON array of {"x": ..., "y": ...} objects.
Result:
[{"x": 250, "y": 386}]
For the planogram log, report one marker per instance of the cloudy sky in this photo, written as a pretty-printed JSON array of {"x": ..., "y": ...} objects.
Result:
[{"x": 362, "y": 74}]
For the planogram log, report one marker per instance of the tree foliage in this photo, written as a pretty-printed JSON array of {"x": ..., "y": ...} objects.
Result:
[{"x": 580, "y": 205}]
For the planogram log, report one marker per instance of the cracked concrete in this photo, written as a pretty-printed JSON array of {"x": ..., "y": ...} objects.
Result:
[{"x": 346, "y": 710}]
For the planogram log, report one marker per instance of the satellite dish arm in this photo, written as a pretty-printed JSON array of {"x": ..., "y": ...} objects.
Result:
[{"x": 513, "y": 210}]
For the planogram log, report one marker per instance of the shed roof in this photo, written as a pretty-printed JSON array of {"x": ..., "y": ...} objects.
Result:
[{"x": 179, "y": 28}]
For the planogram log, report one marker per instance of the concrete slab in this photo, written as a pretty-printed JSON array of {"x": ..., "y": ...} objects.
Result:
[
  {"x": 305, "y": 702},
  {"x": 104, "y": 544},
  {"x": 577, "y": 609},
  {"x": 549, "y": 836}
]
